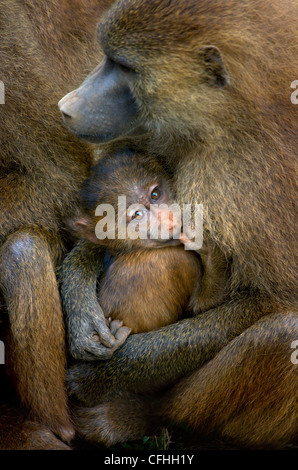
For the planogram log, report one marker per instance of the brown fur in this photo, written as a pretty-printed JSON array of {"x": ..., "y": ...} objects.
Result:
[
  {"x": 145, "y": 283},
  {"x": 223, "y": 398},
  {"x": 151, "y": 288},
  {"x": 225, "y": 124},
  {"x": 17, "y": 432},
  {"x": 45, "y": 47}
]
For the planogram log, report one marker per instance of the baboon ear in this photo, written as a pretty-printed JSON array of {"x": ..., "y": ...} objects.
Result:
[
  {"x": 81, "y": 224},
  {"x": 86, "y": 229},
  {"x": 214, "y": 66}
]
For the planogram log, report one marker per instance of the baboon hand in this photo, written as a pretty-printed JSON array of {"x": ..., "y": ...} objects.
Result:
[{"x": 97, "y": 337}]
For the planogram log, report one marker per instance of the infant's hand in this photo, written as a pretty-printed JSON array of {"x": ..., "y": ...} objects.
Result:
[{"x": 93, "y": 337}]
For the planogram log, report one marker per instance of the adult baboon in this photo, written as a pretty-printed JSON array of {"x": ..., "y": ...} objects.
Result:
[
  {"x": 209, "y": 81},
  {"x": 45, "y": 47}
]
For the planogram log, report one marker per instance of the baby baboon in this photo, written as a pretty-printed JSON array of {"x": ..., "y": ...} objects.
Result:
[{"x": 147, "y": 281}]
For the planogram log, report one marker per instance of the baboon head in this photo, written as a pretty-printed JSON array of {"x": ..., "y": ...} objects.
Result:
[{"x": 161, "y": 74}]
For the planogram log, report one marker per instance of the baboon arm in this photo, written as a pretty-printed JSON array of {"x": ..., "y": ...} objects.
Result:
[
  {"x": 89, "y": 335},
  {"x": 247, "y": 394},
  {"x": 213, "y": 288},
  {"x": 36, "y": 348},
  {"x": 154, "y": 360}
]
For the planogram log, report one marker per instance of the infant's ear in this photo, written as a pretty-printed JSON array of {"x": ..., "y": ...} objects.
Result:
[
  {"x": 81, "y": 223},
  {"x": 85, "y": 228},
  {"x": 71, "y": 226},
  {"x": 82, "y": 226}
]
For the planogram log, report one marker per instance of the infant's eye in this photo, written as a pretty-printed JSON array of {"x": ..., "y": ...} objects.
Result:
[
  {"x": 138, "y": 215},
  {"x": 155, "y": 195}
]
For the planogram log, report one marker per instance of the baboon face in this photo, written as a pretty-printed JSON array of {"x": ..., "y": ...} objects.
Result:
[
  {"x": 148, "y": 206},
  {"x": 158, "y": 75}
]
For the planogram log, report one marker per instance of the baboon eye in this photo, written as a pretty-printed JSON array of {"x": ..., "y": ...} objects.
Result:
[
  {"x": 155, "y": 195},
  {"x": 123, "y": 64},
  {"x": 138, "y": 215},
  {"x": 125, "y": 68}
]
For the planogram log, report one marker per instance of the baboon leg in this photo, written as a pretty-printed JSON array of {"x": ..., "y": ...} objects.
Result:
[
  {"x": 37, "y": 352},
  {"x": 249, "y": 392},
  {"x": 19, "y": 433}
]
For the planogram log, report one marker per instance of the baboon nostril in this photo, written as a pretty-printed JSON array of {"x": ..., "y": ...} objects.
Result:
[
  {"x": 67, "y": 105},
  {"x": 66, "y": 116}
]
